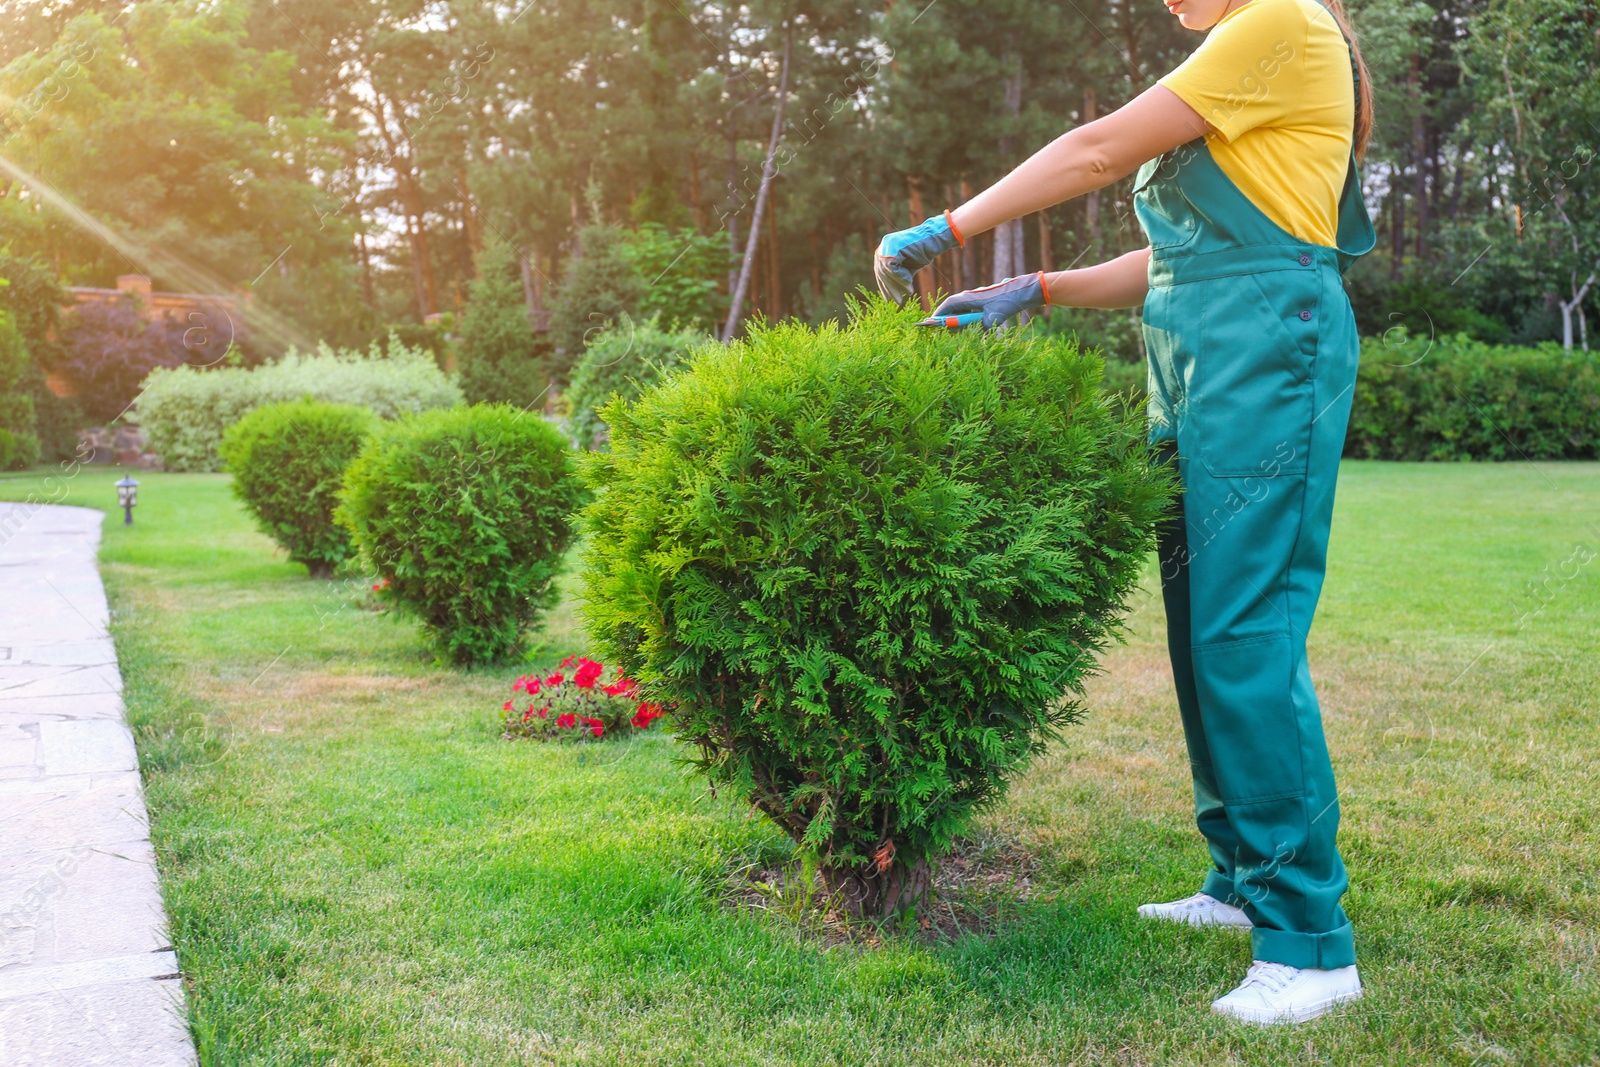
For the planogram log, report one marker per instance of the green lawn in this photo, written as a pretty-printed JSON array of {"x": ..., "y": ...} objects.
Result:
[{"x": 359, "y": 871}]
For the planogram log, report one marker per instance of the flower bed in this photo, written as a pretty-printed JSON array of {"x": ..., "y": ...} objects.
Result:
[{"x": 582, "y": 706}]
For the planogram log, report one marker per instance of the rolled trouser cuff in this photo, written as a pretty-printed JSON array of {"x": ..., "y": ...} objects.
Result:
[
  {"x": 1220, "y": 886},
  {"x": 1323, "y": 952}
]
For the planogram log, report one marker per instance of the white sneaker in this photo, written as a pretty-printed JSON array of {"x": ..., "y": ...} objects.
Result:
[
  {"x": 1278, "y": 993},
  {"x": 1201, "y": 909}
]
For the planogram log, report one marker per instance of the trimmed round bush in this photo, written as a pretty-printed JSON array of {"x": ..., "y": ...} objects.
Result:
[
  {"x": 467, "y": 512},
  {"x": 866, "y": 570},
  {"x": 623, "y": 361},
  {"x": 288, "y": 463}
]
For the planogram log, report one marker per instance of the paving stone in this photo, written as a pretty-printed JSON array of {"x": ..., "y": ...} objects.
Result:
[
  {"x": 111, "y": 812},
  {"x": 94, "y": 747},
  {"x": 75, "y": 706},
  {"x": 93, "y": 653},
  {"x": 136, "y": 1023},
  {"x": 21, "y": 682},
  {"x": 52, "y": 905}
]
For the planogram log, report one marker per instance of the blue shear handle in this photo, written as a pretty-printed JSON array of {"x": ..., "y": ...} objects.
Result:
[{"x": 954, "y": 322}]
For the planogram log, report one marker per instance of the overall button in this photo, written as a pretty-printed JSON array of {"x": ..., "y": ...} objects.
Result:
[
  {"x": 1305, "y": 261},
  {"x": 1305, "y": 314}
]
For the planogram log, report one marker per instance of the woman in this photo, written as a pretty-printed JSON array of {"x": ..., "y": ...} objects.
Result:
[{"x": 1251, "y": 199}]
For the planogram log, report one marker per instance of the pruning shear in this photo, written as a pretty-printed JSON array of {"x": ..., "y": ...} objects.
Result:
[{"x": 953, "y": 322}]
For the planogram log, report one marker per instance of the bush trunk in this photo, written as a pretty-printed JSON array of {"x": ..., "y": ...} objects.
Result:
[{"x": 871, "y": 892}]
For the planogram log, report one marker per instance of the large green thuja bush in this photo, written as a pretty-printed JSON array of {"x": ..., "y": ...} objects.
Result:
[
  {"x": 466, "y": 513},
  {"x": 867, "y": 569},
  {"x": 288, "y": 463}
]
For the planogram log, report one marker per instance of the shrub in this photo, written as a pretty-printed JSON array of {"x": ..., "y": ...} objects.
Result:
[
  {"x": 467, "y": 514},
  {"x": 580, "y": 707},
  {"x": 684, "y": 270},
  {"x": 106, "y": 350},
  {"x": 1455, "y": 398},
  {"x": 185, "y": 411},
  {"x": 288, "y": 463},
  {"x": 623, "y": 361},
  {"x": 500, "y": 358},
  {"x": 866, "y": 570},
  {"x": 17, "y": 416}
]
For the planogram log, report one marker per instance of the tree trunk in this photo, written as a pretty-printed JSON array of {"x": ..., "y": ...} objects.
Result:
[
  {"x": 867, "y": 893},
  {"x": 469, "y": 217},
  {"x": 733, "y": 199},
  {"x": 774, "y": 275},
  {"x": 532, "y": 291},
  {"x": 696, "y": 199},
  {"x": 1007, "y": 235},
  {"x": 768, "y": 170},
  {"x": 1419, "y": 153},
  {"x": 366, "y": 270},
  {"x": 1047, "y": 258},
  {"x": 1397, "y": 232},
  {"x": 816, "y": 273}
]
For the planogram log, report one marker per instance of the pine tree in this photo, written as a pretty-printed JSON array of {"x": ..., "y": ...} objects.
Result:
[
  {"x": 601, "y": 288},
  {"x": 500, "y": 358}
]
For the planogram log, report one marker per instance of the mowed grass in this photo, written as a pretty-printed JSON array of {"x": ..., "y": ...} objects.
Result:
[{"x": 358, "y": 871}]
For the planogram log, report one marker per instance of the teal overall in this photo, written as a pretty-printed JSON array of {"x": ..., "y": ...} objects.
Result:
[{"x": 1252, "y": 348}]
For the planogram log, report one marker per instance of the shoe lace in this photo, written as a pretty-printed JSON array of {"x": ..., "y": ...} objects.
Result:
[
  {"x": 1199, "y": 900},
  {"x": 1275, "y": 976}
]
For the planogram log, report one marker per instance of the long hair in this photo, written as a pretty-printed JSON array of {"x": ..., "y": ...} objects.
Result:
[{"x": 1363, "y": 125}]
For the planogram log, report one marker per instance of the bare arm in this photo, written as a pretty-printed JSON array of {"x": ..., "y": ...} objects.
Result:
[
  {"x": 1083, "y": 159},
  {"x": 1117, "y": 283}
]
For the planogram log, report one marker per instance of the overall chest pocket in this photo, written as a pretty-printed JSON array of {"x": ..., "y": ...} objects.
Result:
[
  {"x": 1251, "y": 393},
  {"x": 1164, "y": 212}
]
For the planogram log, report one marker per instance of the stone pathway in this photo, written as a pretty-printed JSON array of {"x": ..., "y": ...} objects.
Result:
[{"x": 87, "y": 974}]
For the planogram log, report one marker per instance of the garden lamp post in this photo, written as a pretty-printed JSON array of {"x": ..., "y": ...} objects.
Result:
[{"x": 127, "y": 496}]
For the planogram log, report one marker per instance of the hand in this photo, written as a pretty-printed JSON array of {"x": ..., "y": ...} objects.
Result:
[
  {"x": 998, "y": 302},
  {"x": 903, "y": 253}
]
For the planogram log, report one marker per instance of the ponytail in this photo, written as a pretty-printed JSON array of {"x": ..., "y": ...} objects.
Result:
[{"x": 1363, "y": 123}]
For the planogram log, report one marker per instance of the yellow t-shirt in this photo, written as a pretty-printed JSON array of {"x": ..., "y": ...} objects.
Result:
[{"x": 1273, "y": 80}]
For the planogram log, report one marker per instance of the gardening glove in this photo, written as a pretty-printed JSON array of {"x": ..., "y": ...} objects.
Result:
[
  {"x": 903, "y": 253},
  {"x": 995, "y": 303}
]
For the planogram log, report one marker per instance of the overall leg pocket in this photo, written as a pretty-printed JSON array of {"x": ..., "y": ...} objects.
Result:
[{"x": 1251, "y": 395}]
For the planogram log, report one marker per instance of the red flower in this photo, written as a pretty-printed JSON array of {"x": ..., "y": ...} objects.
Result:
[
  {"x": 595, "y": 725},
  {"x": 507, "y": 706},
  {"x": 543, "y": 713},
  {"x": 555, "y": 679},
  {"x": 567, "y": 662},
  {"x": 647, "y": 714},
  {"x": 622, "y": 687},
  {"x": 567, "y": 721},
  {"x": 588, "y": 672},
  {"x": 527, "y": 713}
]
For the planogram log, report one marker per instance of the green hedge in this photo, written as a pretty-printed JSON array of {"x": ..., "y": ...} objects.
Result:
[
  {"x": 1456, "y": 398},
  {"x": 465, "y": 514},
  {"x": 868, "y": 569},
  {"x": 184, "y": 411},
  {"x": 288, "y": 463}
]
